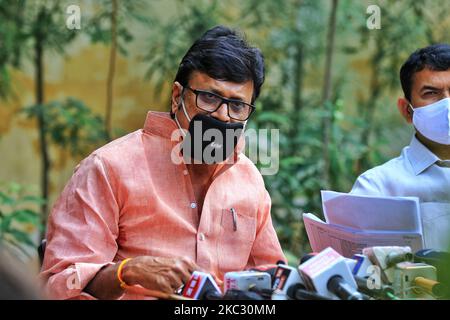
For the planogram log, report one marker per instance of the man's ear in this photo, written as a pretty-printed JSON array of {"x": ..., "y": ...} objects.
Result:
[
  {"x": 405, "y": 109},
  {"x": 176, "y": 96}
]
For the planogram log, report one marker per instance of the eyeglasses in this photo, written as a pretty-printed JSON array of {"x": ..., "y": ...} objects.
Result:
[{"x": 211, "y": 102}]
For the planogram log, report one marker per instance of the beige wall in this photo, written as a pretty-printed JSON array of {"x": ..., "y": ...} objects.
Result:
[{"x": 82, "y": 74}]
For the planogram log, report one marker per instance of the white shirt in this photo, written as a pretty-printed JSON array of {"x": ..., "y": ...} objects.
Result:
[{"x": 417, "y": 172}]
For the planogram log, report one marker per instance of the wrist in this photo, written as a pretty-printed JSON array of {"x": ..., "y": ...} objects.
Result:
[{"x": 125, "y": 273}]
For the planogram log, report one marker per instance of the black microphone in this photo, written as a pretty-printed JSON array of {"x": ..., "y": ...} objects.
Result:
[
  {"x": 342, "y": 289},
  {"x": 432, "y": 257},
  {"x": 211, "y": 295},
  {"x": 264, "y": 293},
  {"x": 438, "y": 259},
  {"x": 234, "y": 294},
  {"x": 384, "y": 291},
  {"x": 298, "y": 292}
]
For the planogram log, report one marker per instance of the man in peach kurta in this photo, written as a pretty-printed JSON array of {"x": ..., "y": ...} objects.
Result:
[{"x": 137, "y": 198}]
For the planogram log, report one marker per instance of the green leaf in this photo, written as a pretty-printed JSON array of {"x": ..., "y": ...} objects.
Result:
[
  {"x": 15, "y": 188},
  {"x": 34, "y": 199},
  {"x": 6, "y": 223},
  {"x": 21, "y": 237},
  {"x": 6, "y": 200},
  {"x": 25, "y": 216}
]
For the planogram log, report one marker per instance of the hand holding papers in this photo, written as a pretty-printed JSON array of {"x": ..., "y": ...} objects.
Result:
[{"x": 354, "y": 222}]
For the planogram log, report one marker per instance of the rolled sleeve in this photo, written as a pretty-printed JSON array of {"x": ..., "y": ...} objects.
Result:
[{"x": 82, "y": 232}]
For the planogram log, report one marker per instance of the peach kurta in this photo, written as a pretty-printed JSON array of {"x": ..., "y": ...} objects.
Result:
[{"x": 128, "y": 199}]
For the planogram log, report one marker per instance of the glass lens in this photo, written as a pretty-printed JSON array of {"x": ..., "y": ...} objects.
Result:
[
  {"x": 208, "y": 101},
  {"x": 239, "y": 110}
]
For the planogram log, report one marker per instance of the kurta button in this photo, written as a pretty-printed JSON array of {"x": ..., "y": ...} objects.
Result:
[
  {"x": 193, "y": 205},
  {"x": 185, "y": 172},
  {"x": 201, "y": 237}
]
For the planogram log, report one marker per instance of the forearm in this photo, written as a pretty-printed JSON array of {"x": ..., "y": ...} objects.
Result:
[{"x": 105, "y": 284}]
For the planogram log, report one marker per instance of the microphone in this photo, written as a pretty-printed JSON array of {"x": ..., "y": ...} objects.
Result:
[
  {"x": 440, "y": 260},
  {"x": 307, "y": 256},
  {"x": 234, "y": 294},
  {"x": 298, "y": 292},
  {"x": 361, "y": 269},
  {"x": 267, "y": 268},
  {"x": 430, "y": 286},
  {"x": 201, "y": 286},
  {"x": 350, "y": 262},
  {"x": 382, "y": 291},
  {"x": 285, "y": 277},
  {"x": 432, "y": 257},
  {"x": 396, "y": 257},
  {"x": 246, "y": 280},
  {"x": 364, "y": 273},
  {"x": 288, "y": 283},
  {"x": 329, "y": 275},
  {"x": 415, "y": 280},
  {"x": 386, "y": 258},
  {"x": 342, "y": 289}
]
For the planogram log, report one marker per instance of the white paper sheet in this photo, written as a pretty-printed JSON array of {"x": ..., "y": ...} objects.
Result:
[
  {"x": 371, "y": 213},
  {"x": 349, "y": 241}
]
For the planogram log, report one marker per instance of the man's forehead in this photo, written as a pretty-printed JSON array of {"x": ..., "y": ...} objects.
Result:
[{"x": 431, "y": 78}]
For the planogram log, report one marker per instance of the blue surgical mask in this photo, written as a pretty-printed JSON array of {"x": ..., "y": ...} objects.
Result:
[{"x": 433, "y": 121}]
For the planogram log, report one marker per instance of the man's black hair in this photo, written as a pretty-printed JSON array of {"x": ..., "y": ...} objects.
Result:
[
  {"x": 223, "y": 54},
  {"x": 435, "y": 57}
]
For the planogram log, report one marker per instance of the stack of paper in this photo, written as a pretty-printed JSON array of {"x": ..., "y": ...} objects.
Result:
[{"x": 354, "y": 222}]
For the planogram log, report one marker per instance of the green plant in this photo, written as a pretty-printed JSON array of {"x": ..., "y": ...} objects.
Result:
[
  {"x": 19, "y": 216},
  {"x": 10, "y": 43},
  {"x": 71, "y": 125},
  {"x": 36, "y": 27}
]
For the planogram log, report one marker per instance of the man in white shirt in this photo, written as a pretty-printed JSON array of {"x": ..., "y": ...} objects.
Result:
[{"x": 423, "y": 168}]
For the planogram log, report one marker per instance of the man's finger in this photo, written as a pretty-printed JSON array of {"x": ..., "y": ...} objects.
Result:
[
  {"x": 182, "y": 272},
  {"x": 174, "y": 279},
  {"x": 190, "y": 265}
]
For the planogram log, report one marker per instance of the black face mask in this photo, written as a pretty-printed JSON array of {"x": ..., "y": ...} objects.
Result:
[{"x": 210, "y": 140}]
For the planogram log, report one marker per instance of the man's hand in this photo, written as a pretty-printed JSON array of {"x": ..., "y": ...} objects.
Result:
[{"x": 155, "y": 273}]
